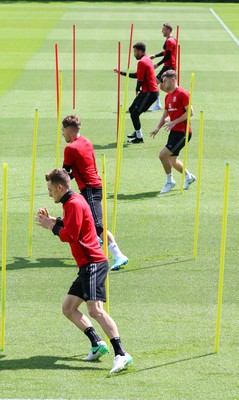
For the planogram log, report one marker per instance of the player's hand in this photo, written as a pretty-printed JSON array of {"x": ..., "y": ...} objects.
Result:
[
  {"x": 44, "y": 221},
  {"x": 152, "y": 57},
  {"x": 116, "y": 70},
  {"x": 43, "y": 211},
  {"x": 155, "y": 66},
  {"x": 169, "y": 125},
  {"x": 154, "y": 132}
]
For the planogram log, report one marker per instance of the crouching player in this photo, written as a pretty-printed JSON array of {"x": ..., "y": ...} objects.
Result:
[{"x": 78, "y": 229}]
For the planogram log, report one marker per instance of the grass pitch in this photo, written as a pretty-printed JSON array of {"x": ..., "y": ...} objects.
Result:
[{"x": 164, "y": 302}]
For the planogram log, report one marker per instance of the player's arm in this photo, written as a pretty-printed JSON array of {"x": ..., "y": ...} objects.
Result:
[
  {"x": 138, "y": 86},
  {"x": 123, "y": 73},
  {"x": 68, "y": 169},
  {"x": 153, "y": 56},
  {"x": 160, "y": 124},
  {"x": 165, "y": 58},
  {"x": 72, "y": 225}
]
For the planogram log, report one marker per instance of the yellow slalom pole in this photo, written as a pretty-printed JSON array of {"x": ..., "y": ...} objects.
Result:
[
  {"x": 105, "y": 238},
  {"x": 58, "y": 140},
  {"x": 34, "y": 150},
  {"x": 187, "y": 130},
  {"x": 117, "y": 169},
  {"x": 198, "y": 186},
  {"x": 4, "y": 252},
  {"x": 222, "y": 258}
]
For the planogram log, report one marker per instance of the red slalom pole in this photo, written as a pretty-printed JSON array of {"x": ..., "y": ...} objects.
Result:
[
  {"x": 177, "y": 34},
  {"x": 74, "y": 69},
  {"x": 130, "y": 43},
  {"x": 179, "y": 65},
  {"x": 118, "y": 89},
  {"x": 57, "y": 78}
]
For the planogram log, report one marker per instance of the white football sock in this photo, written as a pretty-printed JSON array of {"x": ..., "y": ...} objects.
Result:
[
  {"x": 158, "y": 102},
  {"x": 113, "y": 247},
  {"x": 169, "y": 177},
  {"x": 139, "y": 134},
  {"x": 188, "y": 175}
]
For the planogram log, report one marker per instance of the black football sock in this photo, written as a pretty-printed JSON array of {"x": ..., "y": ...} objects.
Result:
[
  {"x": 92, "y": 335},
  {"x": 117, "y": 346}
]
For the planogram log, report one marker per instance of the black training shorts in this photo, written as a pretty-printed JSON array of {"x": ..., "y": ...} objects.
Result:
[
  {"x": 176, "y": 141},
  {"x": 90, "y": 282}
]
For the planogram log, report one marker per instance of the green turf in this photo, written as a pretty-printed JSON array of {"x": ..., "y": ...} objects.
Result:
[{"x": 164, "y": 302}]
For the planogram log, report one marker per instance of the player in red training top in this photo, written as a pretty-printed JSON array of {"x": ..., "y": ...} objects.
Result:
[
  {"x": 176, "y": 108},
  {"x": 79, "y": 161},
  {"x": 146, "y": 90},
  {"x": 78, "y": 229},
  {"x": 168, "y": 60}
]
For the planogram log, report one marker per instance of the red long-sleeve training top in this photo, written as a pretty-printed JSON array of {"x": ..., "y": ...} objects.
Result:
[{"x": 78, "y": 229}]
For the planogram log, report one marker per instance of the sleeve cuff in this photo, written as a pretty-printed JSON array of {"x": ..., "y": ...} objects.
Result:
[
  {"x": 59, "y": 222},
  {"x": 56, "y": 229}
]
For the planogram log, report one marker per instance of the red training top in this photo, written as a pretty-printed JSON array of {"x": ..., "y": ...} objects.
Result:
[
  {"x": 79, "y": 230},
  {"x": 171, "y": 45},
  {"x": 145, "y": 73},
  {"x": 175, "y": 104},
  {"x": 80, "y": 157}
]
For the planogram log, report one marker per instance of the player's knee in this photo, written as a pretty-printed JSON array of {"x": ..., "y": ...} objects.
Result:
[
  {"x": 95, "y": 312},
  {"x": 66, "y": 310},
  {"x": 162, "y": 156},
  {"x": 134, "y": 112}
]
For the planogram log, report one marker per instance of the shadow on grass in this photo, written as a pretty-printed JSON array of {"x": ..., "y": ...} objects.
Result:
[
  {"x": 134, "y": 371},
  {"x": 24, "y": 262},
  {"x": 105, "y": 146},
  {"x": 45, "y": 363},
  {"x": 144, "y": 195},
  {"x": 134, "y": 196},
  {"x": 163, "y": 264},
  {"x": 175, "y": 362}
]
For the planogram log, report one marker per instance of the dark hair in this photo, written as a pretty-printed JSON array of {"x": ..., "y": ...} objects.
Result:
[
  {"x": 168, "y": 26},
  {"x": 58, "y": 176},
  {"x": 169, "y": 74},
  {"x": 71, "y": 120},
  {"x": 140, "y": 46}
]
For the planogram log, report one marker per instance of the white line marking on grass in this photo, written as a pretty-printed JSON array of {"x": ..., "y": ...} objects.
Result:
[{"x": 224, "y": 26}]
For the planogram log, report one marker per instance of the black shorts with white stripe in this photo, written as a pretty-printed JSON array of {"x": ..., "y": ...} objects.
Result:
[
  {"x": 176, "y": 141},
  {"x": 90, "y": 282}
]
